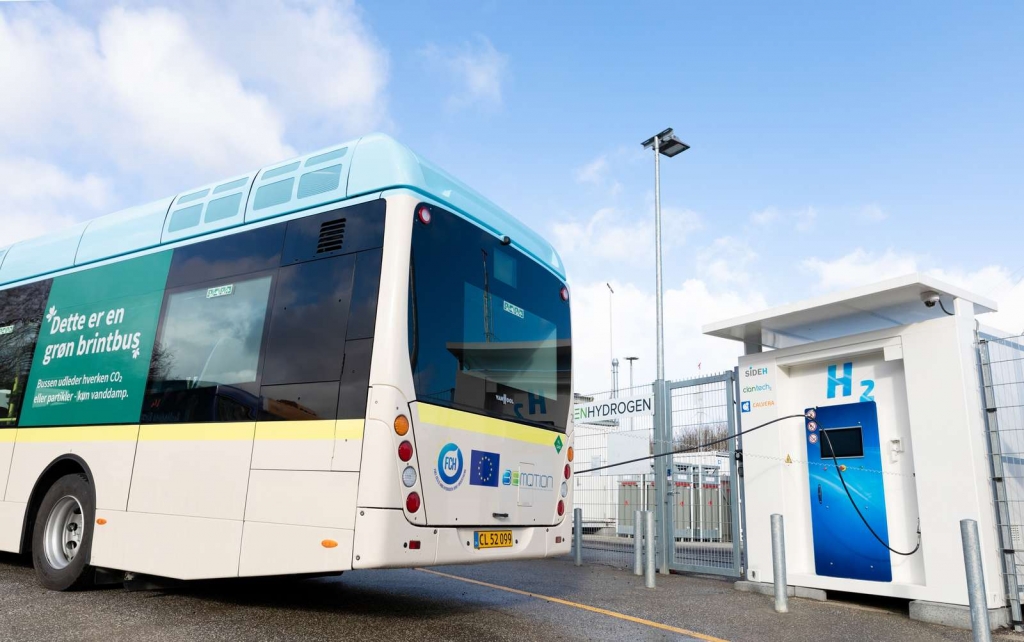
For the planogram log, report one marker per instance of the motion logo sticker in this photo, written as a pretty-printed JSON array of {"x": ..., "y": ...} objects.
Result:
[{"x": 450, "y": 471}]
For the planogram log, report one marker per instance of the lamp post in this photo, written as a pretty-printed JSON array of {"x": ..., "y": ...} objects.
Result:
[
  {"x": 668, "y": 144},
  {"x": 611, "y": 343}
]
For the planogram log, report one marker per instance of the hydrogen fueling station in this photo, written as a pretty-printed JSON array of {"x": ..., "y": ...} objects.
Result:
[{"x": 887, "y": 451}]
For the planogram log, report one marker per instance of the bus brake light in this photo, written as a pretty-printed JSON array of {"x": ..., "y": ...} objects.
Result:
[
  {"x": 567, "y": 471},
  {"x": 561, "y": 507},
  {"x": 412, "y": 502},
  {"x": 405, "y": 451},
  {"x": 564, "y": 293}
]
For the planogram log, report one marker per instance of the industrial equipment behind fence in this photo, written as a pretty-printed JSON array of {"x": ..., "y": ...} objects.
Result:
[{"x": 702, "y": 490}]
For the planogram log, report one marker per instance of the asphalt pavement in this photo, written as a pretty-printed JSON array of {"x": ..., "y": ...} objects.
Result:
[{"x": 530, "y": 600}]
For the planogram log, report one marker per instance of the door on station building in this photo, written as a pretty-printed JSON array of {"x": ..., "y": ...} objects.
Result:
[{"x": 843, "y": 545}]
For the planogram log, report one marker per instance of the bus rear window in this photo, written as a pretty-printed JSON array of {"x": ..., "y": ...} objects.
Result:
[{"x": 488, "y": 330}]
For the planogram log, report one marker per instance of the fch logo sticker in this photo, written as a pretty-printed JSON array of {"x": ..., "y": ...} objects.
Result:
[{"x": 450, "y": 470}]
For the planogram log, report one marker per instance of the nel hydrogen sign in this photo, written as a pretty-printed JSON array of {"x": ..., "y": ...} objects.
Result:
[{"x": 613, "y": 408}]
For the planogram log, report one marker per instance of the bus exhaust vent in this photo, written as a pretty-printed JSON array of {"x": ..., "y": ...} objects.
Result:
[{"x": 332, "y": 234}]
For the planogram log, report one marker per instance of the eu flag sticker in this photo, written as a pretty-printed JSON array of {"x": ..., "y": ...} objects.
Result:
[{"x": 483, "y": 470}]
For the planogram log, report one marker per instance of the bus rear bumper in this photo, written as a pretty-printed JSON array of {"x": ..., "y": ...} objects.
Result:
[{"x": 385, "y": 539}]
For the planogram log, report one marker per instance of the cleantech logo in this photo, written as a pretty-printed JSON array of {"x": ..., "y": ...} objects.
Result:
[{"x": 763, "y": 387}]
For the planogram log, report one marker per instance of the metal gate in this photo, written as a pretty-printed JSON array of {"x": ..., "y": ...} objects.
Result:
[{"x": 701, "y": 486}]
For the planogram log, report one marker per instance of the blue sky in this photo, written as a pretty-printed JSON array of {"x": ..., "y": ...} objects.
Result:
[{"x": 831, "y": 145}]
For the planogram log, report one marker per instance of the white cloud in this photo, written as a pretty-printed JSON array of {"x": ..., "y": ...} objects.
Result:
[
  {"x": 859, "y": 268},
  {"x": 688, "y": 306},
  {"x": 137, "y": 91},
  {"x": 319, "y": 62},
  {"x": 476, "y": 71},
  {"x": 593, "y": 172},
  {"x": 992, "y": 281},
  {"x": 39, "y": 197},
  {"x": 726, "y": 260},
  {"x": 155, "y": 100},
  {"x": 872, "y": 214},
  {"x": 802, "y": 220},
  {"x": 612, "y": 235}
]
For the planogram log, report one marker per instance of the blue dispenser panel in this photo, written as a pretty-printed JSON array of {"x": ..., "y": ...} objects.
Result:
[{"x": 843, "y": 545}]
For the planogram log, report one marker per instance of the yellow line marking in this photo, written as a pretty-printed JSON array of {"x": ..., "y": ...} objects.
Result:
[
  {"x": 450, "y": 418},
  {"x": 585, "y": 607},
  {"x": 242, "y": 431},
  {"x": 78, "y": 433},
  {"x": 295, "y": 430},
  {"x": 349, "y": 429},
  {"x": 8, "y": 435}
]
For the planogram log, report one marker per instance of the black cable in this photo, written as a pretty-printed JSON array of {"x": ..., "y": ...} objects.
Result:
[
  {"x": 758, "y": 427},
  {"x": 944, "y": 308},
  {"x": 824, "y": 433},
  {"x": 688, "y": 450}
]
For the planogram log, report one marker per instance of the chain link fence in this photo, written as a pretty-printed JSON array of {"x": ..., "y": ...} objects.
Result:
[
  {"x": 610, "y": 497},
  {"x": 699, "y": 483},
  {"x": 1002, "y": 372},
  {"x": 701, "y": 492}
]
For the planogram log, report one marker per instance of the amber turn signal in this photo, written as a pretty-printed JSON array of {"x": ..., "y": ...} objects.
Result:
[
  {"x": 101, "y": 521},
  {"x": 569, "y": 453},
  {"x": 401, "y": 425},
  {"x": 329, "y": 543}
]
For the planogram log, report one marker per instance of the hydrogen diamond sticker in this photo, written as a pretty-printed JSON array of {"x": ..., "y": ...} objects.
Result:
[{"x": 558, "y": 444}]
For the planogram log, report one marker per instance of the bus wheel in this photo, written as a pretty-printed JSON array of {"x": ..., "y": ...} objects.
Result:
[{"x": 62, "y": 537}]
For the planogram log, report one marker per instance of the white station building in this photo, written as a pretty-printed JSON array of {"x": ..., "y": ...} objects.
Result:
[{"x": 899, "y": 403}]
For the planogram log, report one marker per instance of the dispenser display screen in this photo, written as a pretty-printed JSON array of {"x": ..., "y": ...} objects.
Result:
[{"x": 847, "y": 442}]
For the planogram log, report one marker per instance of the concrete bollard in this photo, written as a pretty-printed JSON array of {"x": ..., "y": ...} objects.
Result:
[
  {"x": 779, "y": 564},
  {"x": 649, "y": 533},
  {"x": 577, "y": 535},
  {"x": 638, "y": 543},
  {"x": 975, "y": 581}
]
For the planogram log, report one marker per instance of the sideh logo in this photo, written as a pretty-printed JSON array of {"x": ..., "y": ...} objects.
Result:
[{"x": 450, "y": 471}]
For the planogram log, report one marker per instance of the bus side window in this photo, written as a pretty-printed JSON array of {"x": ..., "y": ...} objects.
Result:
[
  {"x": 21, "y": 312},
  {"x": 306, "y": 346},
  {"x": 205, "y": 364}
]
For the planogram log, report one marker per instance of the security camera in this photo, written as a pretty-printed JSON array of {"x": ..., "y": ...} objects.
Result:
[{"x": 930, "y": 298}]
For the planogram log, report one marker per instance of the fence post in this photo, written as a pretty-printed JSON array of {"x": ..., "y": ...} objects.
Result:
[
  {"x": 975, "y": 581},
  {"x": 577, "y": 535},
  {"x": 638, "y": 543},
  {"x": 649, "y": 528},
  {"x": 779, "y": 564}
]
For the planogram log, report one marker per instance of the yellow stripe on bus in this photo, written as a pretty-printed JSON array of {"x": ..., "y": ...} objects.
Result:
[
  {"x": 349, "y": 429},
  {"x": 460, "y": 420},
  {"x": 198, "y": 432},
  {"x": 8, "y": 435},
  {"x": 295, "y": 430},
  {"x": 77, "y": 433}
]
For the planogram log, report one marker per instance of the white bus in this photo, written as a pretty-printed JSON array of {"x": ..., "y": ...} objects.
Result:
[{"x": 348, "y": 360}]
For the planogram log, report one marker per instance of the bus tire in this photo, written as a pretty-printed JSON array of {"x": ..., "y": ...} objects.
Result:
[{"x": 62, "y": 535}]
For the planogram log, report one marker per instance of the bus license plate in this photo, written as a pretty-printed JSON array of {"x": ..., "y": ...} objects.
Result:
[{"x": 492, "y": 539}]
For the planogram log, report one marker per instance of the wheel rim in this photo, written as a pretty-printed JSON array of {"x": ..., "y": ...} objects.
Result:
[{"x": 65, "y": 527}]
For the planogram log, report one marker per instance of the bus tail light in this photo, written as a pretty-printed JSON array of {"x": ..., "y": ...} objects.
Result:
[
  {"x": 561, "y": 508},
  {"x": 412, "y": 502},
  {"x": 567, "y": 471},
  {"x": 564, "y": 293},
  {"x": 401, "y": 425},
  {"x": 414, "y": 545},
  {"x": 405, "y": 451}
]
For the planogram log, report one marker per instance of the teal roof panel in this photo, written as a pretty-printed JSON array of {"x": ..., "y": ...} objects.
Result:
[
  {"x": 42, "y": 255},
  {"x": 372, "y": 164},
  {"x": 130, "y": 230}
]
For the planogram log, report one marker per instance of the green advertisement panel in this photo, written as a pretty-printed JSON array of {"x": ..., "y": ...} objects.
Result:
[{"x": 95, "y": 342}]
